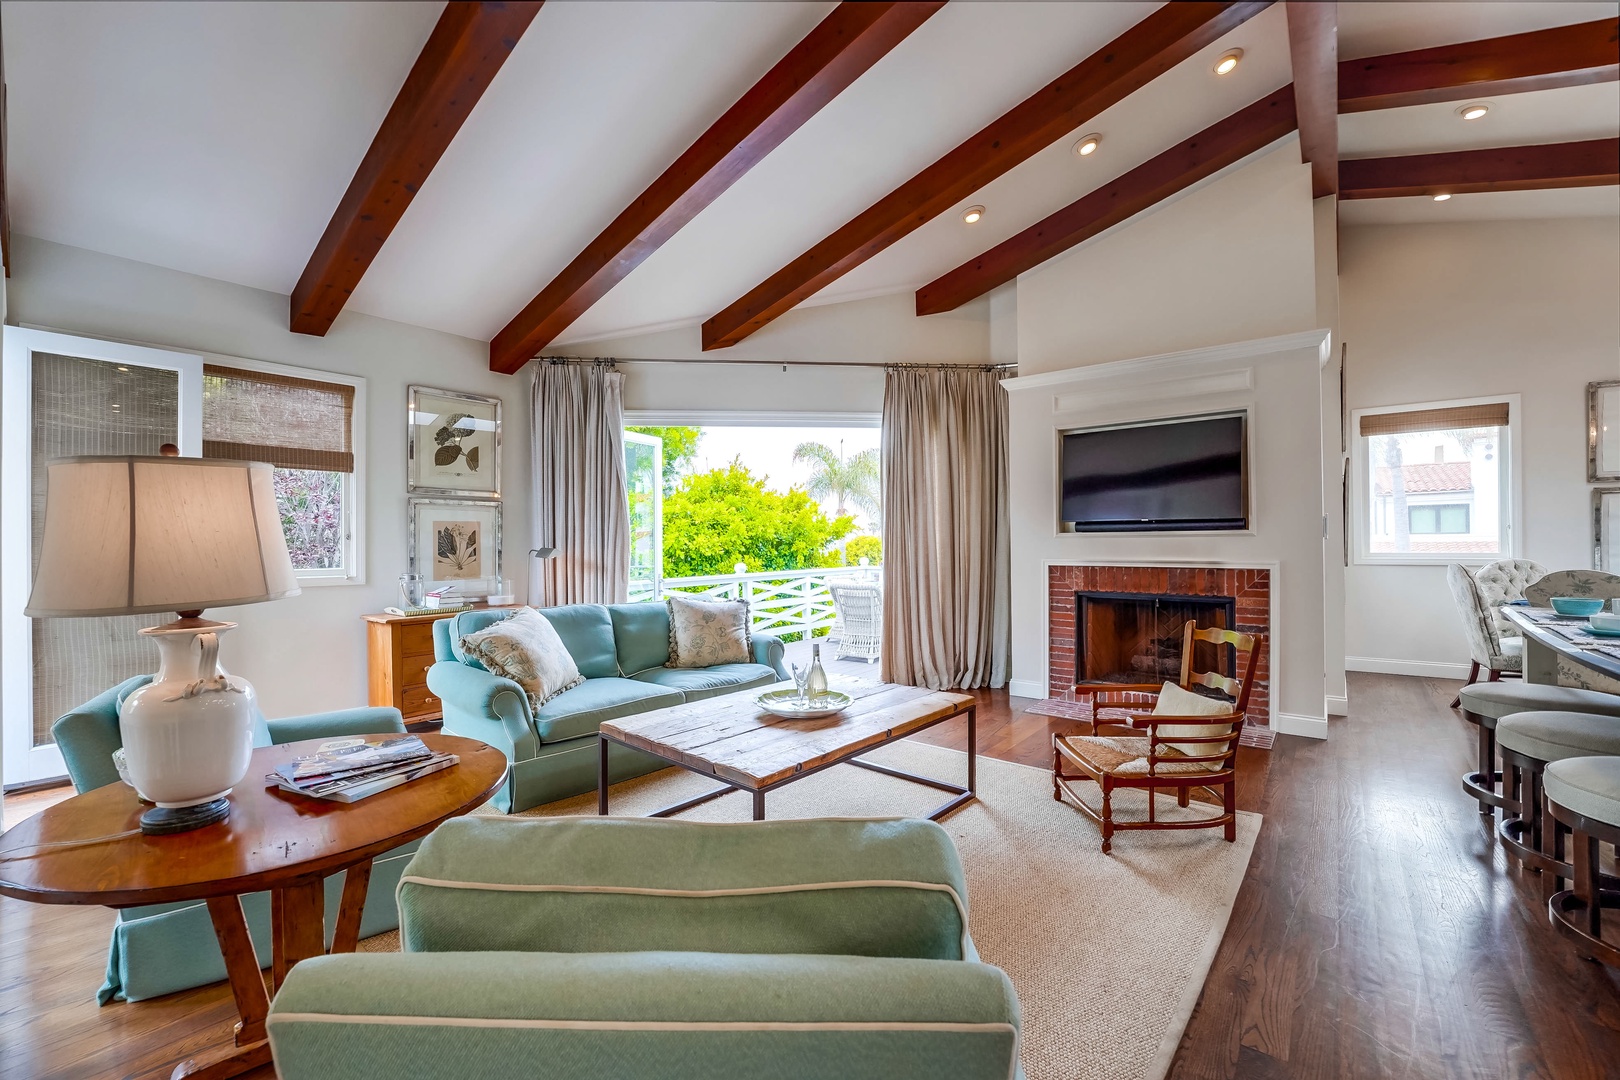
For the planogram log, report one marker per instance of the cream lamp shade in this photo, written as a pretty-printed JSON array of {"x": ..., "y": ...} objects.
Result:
[{"x": 126, "y": 535}]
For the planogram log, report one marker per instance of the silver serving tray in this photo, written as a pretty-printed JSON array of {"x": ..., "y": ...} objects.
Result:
[{"x": 786, "y": 704}]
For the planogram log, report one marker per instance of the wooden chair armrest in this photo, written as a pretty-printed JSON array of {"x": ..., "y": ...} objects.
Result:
[{"x": 1094, "y": 689}]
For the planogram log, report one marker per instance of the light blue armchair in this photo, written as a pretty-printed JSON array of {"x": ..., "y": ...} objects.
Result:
[
  {"x": 621, "y": 650},
  {"x": 161, "y": 948},
  {"x": 618, "y": 949}
]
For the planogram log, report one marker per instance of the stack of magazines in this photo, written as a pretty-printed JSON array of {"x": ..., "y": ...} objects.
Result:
[{"x": 347, "y": 770}]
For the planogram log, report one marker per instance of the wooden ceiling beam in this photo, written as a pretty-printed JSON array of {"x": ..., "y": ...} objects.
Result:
[
  {"x": 1171, "y": 34},
  {"x": 1571, "y": 55},
  {"x": 1592, "y": 163},
  {"x": 467, "y": 47},
  {"x": 1313, "y": 46},
  {"x": 1217, "y": 146},
  {"x": 844, "y": 45}
]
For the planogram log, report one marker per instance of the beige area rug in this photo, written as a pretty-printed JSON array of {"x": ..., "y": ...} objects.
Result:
[{"x": 1108, "y": 953}]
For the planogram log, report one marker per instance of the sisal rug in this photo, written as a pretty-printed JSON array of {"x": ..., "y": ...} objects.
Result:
[{"x": 1108, "y": 953}]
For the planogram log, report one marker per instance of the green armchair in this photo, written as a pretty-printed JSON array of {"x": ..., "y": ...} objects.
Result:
[
  {"x": 611, "y": 949},
  {"x": 161, "y": 948}
]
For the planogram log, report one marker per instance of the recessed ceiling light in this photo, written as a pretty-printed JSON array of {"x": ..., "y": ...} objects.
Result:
[
  {"x": 972, "y": 214},
  {"x": 1474, "y": 111},
  {"x": 1442, "y": 197},
  {"x": 1228, "y": 61},
  {"x": 1087, "y": 145}
]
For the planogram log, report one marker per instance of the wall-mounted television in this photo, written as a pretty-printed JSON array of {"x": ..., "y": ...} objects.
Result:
[{"x": 1186, "y": 474}]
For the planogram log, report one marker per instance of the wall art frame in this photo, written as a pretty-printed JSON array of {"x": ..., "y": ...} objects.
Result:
[
  {"x": 1603, "y": 431},
  {"x": 452, "y": 443},
  {"x": 455, "y": 542},
  {"x": 1606, "y": 529}
]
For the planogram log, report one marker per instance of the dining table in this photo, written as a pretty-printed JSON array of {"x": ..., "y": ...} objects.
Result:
[{"x": 1549, "y": 635}]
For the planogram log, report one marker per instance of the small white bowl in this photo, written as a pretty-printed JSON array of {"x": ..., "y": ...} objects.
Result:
[{"x": 1605, "y": 620}]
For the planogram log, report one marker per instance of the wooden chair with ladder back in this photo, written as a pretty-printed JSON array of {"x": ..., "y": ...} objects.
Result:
[{"x": 1191, "y": 742}]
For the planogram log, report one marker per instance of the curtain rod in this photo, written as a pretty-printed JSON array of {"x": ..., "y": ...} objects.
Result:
[{"x": 783, "y": 364}]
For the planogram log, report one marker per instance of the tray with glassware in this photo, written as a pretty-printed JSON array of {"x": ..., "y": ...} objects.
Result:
[{"x": 810, "y": 698}]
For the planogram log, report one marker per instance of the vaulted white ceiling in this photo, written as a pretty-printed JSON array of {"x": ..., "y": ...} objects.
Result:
[{"x": 218, "y": 138}]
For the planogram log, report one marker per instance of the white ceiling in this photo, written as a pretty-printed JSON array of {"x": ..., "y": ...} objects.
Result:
[{"x": 218, "y": 138}]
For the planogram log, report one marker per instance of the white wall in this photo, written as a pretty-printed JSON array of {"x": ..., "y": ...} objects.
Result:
[
  {"x": 1468, "y": 309},
  {"x": 878, "y": 330},
  {"x": 306, "y": 653},
  {"x": 1277, "y": 382},
  {"x": 1232, "y": 260}
]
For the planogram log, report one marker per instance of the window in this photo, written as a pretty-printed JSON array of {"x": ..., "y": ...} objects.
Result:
[
  {"x": 1450, "y": 518},
  {"x": 1434, "y": 482},
  {"x": 305, "y": 428}
]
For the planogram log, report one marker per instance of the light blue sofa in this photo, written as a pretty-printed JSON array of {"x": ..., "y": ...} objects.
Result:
[
  {"x": 161, "y": 948},
  {"x": 621, "y": 649},
  {"x": 620, "y": 949}
]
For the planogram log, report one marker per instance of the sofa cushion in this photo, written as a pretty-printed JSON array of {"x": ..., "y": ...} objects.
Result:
[
  {"x": 705, "y": 632},
  {"x": 1590, "y": 786},
  {"x": 695, "y": 684},
  {"x": 588, "y": 633},
  {"x": 460, "y": 625},
  {"x": 579, "y": 711},
  {"x": 641, "y": 633},
  {"x": 526, "y": 649}
]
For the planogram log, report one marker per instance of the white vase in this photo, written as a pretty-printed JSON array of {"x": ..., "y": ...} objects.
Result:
[{"x": 188, "y": 734}]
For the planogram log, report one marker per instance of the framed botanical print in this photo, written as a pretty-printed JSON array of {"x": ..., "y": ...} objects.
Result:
[
  {"x": 1602, "y": 431},
  {"x": 1606, "y": 528},
  {"x": 453, "y": 444},
  {"x": 455, "y": 542}
]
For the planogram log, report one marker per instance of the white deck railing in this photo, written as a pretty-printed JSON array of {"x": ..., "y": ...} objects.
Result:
[{"x": 779, "y": 601}]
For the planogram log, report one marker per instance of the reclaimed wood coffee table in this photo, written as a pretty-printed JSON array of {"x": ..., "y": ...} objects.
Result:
[{"x": 747, "y": 749}]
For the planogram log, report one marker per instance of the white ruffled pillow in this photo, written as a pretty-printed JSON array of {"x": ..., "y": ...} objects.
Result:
[
  {"x": 525, "y": 648},
  {"x": 1174, "y": 701}
]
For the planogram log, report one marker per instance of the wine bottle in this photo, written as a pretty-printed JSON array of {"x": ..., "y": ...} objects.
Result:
[{"x": 816, "y": 685}]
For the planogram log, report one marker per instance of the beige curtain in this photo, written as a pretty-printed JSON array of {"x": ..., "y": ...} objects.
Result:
[
  {"x": 945, "y": 576},
  {"x": 580, "y": 507}
]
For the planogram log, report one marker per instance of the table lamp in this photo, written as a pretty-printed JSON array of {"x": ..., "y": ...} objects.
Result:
[{"x": 131, "y": 535}]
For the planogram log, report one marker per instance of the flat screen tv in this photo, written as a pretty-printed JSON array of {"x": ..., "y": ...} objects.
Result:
[{"x": 1165, "y": 476}]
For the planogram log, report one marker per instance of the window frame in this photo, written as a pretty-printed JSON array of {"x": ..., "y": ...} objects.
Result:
[
  {"x": 1509, "y": 489},
  {"x": 353, "y": 571}
]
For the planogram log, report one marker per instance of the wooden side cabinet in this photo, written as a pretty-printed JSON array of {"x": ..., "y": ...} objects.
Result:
[{"x": 399, "y": 650}]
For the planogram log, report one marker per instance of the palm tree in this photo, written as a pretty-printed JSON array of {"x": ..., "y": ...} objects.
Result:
[{"x": 857, "y": 480}]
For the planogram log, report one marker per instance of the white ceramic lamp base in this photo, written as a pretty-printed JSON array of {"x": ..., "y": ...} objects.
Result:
[{"x": 188, "y": 734}]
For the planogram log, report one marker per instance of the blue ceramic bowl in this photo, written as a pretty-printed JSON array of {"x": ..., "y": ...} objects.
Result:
[{"x": 1577, "y": 605}]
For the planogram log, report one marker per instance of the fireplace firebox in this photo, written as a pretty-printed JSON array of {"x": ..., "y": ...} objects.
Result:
[{"x": 1123, "y": 637}]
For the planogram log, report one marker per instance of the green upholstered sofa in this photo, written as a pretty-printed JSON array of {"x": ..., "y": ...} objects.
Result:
[
  {"x": 161, "y": 948},
  {"x": 609, "y": 949},
  {"x": 621, "y": 650}
]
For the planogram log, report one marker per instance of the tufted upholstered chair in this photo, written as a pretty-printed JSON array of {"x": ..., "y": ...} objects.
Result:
[
  {"x": 1488, "y": 648},
  {"x": 1502, "y": 582},
  {"x": 1594, "y": 583}
]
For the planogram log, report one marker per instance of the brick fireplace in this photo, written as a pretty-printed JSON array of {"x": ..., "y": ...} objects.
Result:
[{"x": 1122, "y": 623}]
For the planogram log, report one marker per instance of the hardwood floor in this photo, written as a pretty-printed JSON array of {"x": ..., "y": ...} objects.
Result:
[{"x": 1379, "y": 932}]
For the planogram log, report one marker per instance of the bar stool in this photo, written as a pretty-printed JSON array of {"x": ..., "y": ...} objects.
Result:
[
  {"x": 1483, "y": 704},
  {"x": 1528, "y": 742},
  {"x": 1583, "y": 795}
]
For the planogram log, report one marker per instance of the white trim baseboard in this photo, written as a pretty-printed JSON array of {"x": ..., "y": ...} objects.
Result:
[
  {"x": 1027, "y": 688},
  {"x": 1311, "y": 727},
  {"x": 1423, "y": 669},
  {"x": 1338, "y": 706}
]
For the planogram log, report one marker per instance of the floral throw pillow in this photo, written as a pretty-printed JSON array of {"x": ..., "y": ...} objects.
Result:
[
  {"x": 525, "y": 648},
  {"x": 703, "y": 633}
]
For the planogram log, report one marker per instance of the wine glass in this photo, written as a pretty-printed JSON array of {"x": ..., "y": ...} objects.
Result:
[{"x": 801, "y": 680}]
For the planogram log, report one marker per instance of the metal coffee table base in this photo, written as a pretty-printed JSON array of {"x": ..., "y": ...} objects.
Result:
[{"x": 964, "y": 795}]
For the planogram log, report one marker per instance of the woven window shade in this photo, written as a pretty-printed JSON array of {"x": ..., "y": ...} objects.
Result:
[
  {"x": 291, "y": 423},
  {"x": 1494, "y": 414}
]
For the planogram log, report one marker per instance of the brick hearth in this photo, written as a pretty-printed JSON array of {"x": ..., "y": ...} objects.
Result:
[{"x": 1251, "y": 589}]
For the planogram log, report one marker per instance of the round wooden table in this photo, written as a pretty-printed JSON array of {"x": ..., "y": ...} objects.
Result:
[{"x": 90, "y": 850}]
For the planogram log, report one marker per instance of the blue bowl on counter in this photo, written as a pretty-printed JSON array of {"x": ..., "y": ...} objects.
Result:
[{"x": 1581, "y": 606}]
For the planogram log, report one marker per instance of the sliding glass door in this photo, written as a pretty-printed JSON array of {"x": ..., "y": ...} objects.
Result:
[{"x": 65, "y": 396}]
